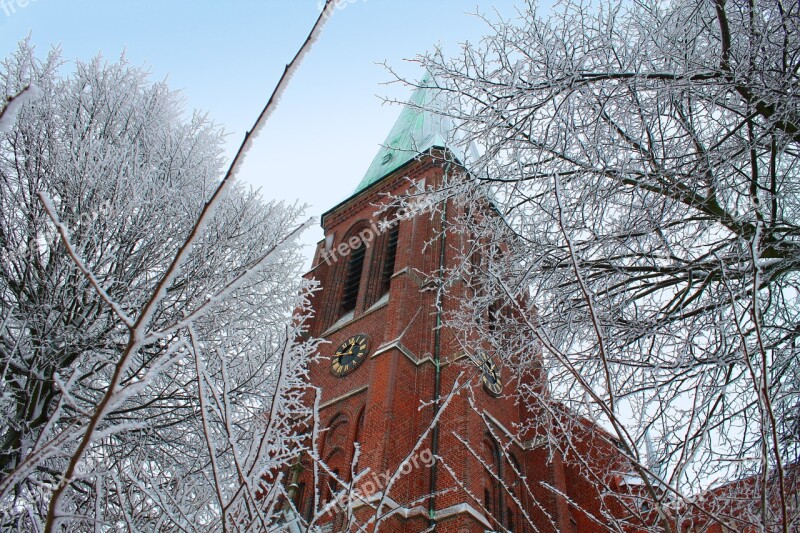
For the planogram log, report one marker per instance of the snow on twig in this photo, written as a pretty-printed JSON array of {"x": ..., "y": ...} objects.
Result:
[
  {"x": 64, "y": 232},
  {"x": 8, "y": 114}
]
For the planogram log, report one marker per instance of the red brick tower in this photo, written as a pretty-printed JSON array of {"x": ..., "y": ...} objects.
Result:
[{"x": 388, "y": 367}]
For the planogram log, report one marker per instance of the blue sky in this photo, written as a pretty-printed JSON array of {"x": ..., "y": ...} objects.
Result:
[{"x": 226, "y": 57}]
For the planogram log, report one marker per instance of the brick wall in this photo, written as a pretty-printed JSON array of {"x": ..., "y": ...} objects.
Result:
[{"x": 385, "y": 403}]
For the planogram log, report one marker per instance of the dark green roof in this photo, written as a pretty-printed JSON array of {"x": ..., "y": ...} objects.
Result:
[{"x": 418, "y": 129}]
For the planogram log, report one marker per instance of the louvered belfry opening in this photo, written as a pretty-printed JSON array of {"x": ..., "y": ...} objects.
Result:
[
  {"x": 389, "y": 258},
  {"x": 352, "y": 280}
]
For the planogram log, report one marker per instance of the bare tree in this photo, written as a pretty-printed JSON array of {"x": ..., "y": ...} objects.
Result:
[
  {"x": 633, "y": 220},
  {"x": 152, "y": 316}
]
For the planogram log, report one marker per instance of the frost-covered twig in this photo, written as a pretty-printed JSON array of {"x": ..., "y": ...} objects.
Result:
[
  {"x": 47, "y": 203},
  {"x": 9, "y": 112}
]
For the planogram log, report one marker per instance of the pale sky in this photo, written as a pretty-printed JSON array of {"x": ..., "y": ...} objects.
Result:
[{"x": 225, "y": 56}]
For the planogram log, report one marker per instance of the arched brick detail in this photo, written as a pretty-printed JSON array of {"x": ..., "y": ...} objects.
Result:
[
  {"x": 389, "y": 230},
  {"x": 358, "y": 432},
  {"x": 335, "y": 461},
  {"x": 340, "y": 257},
  {"x": 492, "y": 487}
]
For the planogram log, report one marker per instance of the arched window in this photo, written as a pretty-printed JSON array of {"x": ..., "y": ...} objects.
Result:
[
  {"x": 335, "y": 437},
  {"x": 493, "y": 313},
  {"x": 475, "y": 266},
  {"x": 300, "y": 499},
  {"x": 352, "y": 278},
  {"x": 389, "y": 257},
  {"x": 514, "y": 479},
  {"x": 331, "y": 486},
  {"x": 492, "y": 495},
  {"x": 334, "y": 461},
  {"x": 383, "y": 260}
]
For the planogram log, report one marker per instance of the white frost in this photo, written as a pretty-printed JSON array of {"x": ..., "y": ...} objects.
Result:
[{"x": 8, "y": 115}]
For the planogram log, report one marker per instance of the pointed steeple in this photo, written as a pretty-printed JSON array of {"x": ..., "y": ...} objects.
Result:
[{"x": 418, "y": 129}]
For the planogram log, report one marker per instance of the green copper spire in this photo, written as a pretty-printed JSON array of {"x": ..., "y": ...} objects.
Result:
[{"x": 417, "y": 130}]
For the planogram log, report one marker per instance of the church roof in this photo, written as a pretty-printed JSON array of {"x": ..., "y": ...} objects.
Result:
[{"x": 418, "y": 129}]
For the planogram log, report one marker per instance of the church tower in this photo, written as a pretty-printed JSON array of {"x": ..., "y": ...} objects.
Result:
[{"x": 389, "y": 367}]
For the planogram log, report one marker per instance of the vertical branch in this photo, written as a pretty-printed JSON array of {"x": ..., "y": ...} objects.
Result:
[
  {"x": 768, "y": 410},
  {"x": 207, "y": 432},
  {"x": 314, "y": 446}
]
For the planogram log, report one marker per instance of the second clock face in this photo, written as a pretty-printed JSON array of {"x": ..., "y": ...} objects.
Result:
[
  {"x": 349, "y": 355},
  {"x": 490, "y": 375}
]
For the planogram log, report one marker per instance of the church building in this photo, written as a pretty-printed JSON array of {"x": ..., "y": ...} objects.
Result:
[{"x": 389, "y": 368}]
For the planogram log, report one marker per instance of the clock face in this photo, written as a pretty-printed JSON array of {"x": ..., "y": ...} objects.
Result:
[
  {"x": 349, "y": 355},
  {"x": 490, "y": 375}
]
